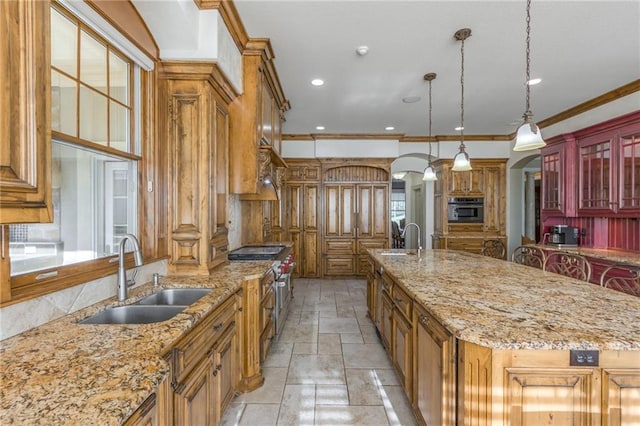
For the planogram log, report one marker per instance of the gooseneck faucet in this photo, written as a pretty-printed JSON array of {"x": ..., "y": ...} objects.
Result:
[
  {"x": 404, "y": 232},
  {"x": 123, "y": 283}
]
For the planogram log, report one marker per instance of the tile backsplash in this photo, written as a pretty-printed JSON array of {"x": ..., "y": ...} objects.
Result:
[{"x": 15, "y": 319}]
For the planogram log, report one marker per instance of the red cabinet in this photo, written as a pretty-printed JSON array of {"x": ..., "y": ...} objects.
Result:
[
  {"x": 594, "y": 172},
  {"x": 558, "y": 176},
  {"x": 609, "y": 168}
]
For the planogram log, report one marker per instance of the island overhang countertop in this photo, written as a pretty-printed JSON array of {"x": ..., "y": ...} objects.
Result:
[{"x": 505, "y": 305}]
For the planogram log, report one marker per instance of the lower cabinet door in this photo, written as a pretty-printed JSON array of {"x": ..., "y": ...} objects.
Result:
[
  {"x": 434, "y": 374},
  {"x": 386, "y": 312},
  {"x": 226, "y": 370},
  {"x": 403, "y": 351},
  {"x": 194, "y": 403}
]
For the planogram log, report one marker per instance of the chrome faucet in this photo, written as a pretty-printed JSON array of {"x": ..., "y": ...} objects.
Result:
[
  {"x": 418, "y": 228},
  {"x": 123, "y": 283}
]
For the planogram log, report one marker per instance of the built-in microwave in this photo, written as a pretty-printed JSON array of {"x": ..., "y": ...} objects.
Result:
[{"x": 465, "y": 210}]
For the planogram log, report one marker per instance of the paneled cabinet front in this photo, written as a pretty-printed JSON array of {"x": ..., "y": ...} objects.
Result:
[
  {"x": 25, "y": 122},
  {"x": 196, "y": 127},
  {"x": 356, "y": 217}
]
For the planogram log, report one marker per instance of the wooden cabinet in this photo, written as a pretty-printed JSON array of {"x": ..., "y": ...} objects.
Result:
[
  {"x": 257, "y": 329},
  {"x": 204, "y": 367},
  {"x": 465, "y": 184},
  {"x": 356, "y": 215},
  {"x": 255, "y": 120},
  {"x": 620, "y": 392},
  {"x": 396, "y": 330},
  {"x": 487, "y": 180},
  {"x": 434, "y": 371},
  {"x": 25, "y": 113},
  {"x": 302, "y": 221},
  {"x": 195, "y": 126},
  {"x": 629, "y": 172},
  {"x": 145, "y": 415}
]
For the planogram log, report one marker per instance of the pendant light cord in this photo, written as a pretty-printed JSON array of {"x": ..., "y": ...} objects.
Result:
[
  {"x": 528, "y": 53},
  {"x": 462, "y": 95},
  {"x": 429, "y": 159}
]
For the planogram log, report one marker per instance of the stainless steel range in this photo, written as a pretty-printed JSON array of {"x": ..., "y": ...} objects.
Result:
[{"x": 283, "y": 264}]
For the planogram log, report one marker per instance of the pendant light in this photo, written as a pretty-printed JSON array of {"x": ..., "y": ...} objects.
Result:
[
  {"x": 528, "y": 136},
  {"x": 461, "y": 162},
  {"x": 429, "y": 172}
]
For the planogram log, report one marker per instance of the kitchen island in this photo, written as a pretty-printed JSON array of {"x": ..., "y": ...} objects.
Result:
[{"x": 478, "y": 340}]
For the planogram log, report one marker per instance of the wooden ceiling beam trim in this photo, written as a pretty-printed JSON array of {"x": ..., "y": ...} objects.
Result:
[{"x": 230, "y": 17}]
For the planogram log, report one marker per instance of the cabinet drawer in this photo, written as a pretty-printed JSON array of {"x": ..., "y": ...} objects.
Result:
[
  {"x": 339, "y": 246},
  {"x": 471, "y": 245},
  {"x": 266, "y": 284},
  {"x": 403, "y": 302},
  {"x": 193, "y": 347},
  {"x": 363, "y": 245},
  {"x": 266, "y": 309},
  {"x": 433, "y": 327},
  {"x": 336, "y": 265},
  {"x": 465, "y": 227},
  {"x": 265, "y": 341}
]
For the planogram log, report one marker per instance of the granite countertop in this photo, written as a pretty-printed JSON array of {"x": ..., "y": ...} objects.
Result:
[
  {"x": 605, "y": 254},
  {"x": 504, "y": 305},
  {"x": 65, "y": 373}
]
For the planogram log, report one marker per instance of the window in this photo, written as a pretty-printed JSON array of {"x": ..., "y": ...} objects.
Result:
[
  {"x": 398, "y": 202},
  {"x": 94, "y": 161}
]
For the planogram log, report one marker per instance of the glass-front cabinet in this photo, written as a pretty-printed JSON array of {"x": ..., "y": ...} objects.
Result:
[
  {"x": 596, "y": 190},
  {"x": 630, "y": 172},
  {"x": 609, "y": 168},
  {"x": 558, "y": 176}
]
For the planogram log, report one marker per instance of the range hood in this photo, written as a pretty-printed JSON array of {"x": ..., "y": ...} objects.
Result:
[{"x": 267, "y": 191}]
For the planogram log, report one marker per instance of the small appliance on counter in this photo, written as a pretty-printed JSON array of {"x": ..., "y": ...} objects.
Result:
[{"x": 564, "y": 236}]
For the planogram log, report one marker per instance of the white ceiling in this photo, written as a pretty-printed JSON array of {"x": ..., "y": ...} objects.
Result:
[{"x": 581, "y": 49}]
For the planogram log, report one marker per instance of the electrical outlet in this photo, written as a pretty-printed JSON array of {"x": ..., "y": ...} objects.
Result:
[{"x": 581, "y": 358}]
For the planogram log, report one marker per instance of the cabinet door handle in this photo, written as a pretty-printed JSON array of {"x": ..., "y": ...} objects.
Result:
[
  {"x": 423, "y": 319},
  {"x": 397, "y": 300},
  {"x": 218, "y": 326}
]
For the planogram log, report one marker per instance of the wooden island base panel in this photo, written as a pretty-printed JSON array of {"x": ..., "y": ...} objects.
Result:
[{"x": 483, "y": 341}]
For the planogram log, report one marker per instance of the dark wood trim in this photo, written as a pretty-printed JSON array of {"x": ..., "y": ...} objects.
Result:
[{"x": 603, "y": 99}]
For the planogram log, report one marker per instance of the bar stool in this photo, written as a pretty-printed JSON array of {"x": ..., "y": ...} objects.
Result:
[
  {"x": 493, "y": 248},
  {"x": 528, "y": 255},
  {"x": 622, "y": 277},
  {"x": 568, "y": 264}
]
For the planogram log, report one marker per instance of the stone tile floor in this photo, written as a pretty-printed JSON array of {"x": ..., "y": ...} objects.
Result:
[{"x": 328, "y": 366}]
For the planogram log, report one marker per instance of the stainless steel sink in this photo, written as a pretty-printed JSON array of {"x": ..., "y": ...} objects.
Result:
[
  {"x": 134, "y": 314},
  {"x": 175, "y": 296},
  {"x": 396, "y": 253}
]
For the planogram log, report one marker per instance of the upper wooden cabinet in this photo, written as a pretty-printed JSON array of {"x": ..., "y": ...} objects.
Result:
[
  {"x": 25, "y": 113},
  {"x": 486, "y": 180},
  {"x": 255, "y": 120},
  {"x": 194, "y": 127}
]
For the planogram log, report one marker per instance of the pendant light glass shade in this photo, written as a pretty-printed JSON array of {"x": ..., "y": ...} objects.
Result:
[
  {"x": 528, "y": 136},
  {"x": 429, "y": 174},
  {"x": 461, "y": 162}
]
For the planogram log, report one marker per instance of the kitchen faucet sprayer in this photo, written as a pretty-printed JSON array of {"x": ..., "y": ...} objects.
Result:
[
  {"x": 123, "y": 283},
  {"x": 404, "y": 232}
]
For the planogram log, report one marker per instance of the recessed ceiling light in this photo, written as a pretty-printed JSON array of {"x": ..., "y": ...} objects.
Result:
[
  {"x": 411, "y": 99},
  {"x": 317, "y": 82},
  {"x": 362, "y": 50},
  {"x": 319, "y": 127},
  {"x": 534, "y": 81},
  {"x": 389, "y": 128},
  {"x": 458, "y": 128}
]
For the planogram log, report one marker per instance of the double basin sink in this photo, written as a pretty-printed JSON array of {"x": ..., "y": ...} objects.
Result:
[{"x": 160, "y": 306}]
